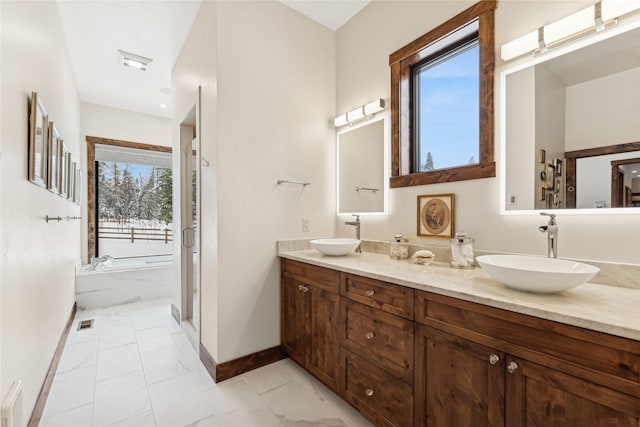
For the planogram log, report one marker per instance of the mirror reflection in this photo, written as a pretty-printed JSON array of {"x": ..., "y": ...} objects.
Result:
[
  {"x": 572, "y": 128},
  {"x": 362, "y": 177}
]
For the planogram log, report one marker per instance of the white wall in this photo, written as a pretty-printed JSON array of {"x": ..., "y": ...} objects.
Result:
[
  {"x": 521, "y": 132},
  {"x": 124, "y": 125},
  {"x": 593, "y": 178},
  {"x": 276, "y": 71},
  {"x": 115, "y": 123},
  {"x": 604, "y": 111},
  {"x": 194, "y": 68},
  {"x": 550, "y": 124},
  {"x": 363, "y": 48},
  {"x": 267, "y": 114},
  {"x": 38, "y": 259}
]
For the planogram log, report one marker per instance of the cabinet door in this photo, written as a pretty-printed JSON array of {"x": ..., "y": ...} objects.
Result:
[
  {"x": 324, "y": 346},
  {"x": 540, "y": 396},
  {"x": 294, "y": 319},
  {"x": 458, "y": 382}
]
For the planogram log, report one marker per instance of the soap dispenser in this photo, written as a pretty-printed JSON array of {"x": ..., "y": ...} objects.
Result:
[
  {"x": 399, "y": 248},
  {"x": 462, "y": 251}
]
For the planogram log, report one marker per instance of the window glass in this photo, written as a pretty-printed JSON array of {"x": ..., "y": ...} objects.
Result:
[
  {"x": 447, "y": 110},
  {"x": 134, "y": 210}
]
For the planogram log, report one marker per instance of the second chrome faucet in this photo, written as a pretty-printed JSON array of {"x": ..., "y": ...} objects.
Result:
[
  {"x": 356, "y": 224},
  {"x": 552, "y": 235}
]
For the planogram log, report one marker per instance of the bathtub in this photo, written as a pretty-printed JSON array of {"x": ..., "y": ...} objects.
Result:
[{"x": 124, "y": 281}]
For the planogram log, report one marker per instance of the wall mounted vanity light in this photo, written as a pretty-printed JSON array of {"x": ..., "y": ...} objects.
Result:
[
  {"x": 365, "y": 111},
  {"x": 595, "y": 18}
]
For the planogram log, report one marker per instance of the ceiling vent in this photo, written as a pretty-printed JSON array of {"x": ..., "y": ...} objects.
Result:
[{"x": 132, "y": 60}]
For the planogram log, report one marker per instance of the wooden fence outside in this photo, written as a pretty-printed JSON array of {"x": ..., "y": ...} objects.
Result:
[{"x": 133, "y": 234}]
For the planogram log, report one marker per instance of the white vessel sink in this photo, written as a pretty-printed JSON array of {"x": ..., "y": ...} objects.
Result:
[
  {"x": 536, "y": 274},
  {"x": 335, "y": 247}
]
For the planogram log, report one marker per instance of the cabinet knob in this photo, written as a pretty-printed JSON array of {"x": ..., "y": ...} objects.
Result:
[
  {"x": 300, "y": 287},
  {"x": 370, "y": 335},
  {"x": 511, "y": 367},
  {"x": 305, "y": 289},
  {"x": 494, "y": 358},
  {"x": 371, "y": 293},
  {"x": 369, "y": 392}
]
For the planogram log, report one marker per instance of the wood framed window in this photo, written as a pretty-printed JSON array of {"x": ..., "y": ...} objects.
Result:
[
  {"x": 469, "y": 33},
  {"x": 92, "y": 183}
]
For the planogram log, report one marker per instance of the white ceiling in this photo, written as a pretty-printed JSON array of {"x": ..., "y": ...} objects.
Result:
[
  {"x": 330, "y": 13},
  {"x": 156, "y": 29}
]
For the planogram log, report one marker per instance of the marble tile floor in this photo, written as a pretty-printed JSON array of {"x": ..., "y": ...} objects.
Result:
[{"x": 136, "y": 368}]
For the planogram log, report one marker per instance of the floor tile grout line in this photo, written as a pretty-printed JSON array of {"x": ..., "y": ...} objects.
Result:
[
  {"x": 146, "y": 382},
  {"x": 95, "y": 379}
]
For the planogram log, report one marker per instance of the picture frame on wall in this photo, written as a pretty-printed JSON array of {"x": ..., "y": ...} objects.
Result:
[
  {"x": 53, "y": 169},
  {"x": 71, "y": 167},
  {"x": 542, "y": 156},
  {"x": 436, "y": 215},
  {"x": 38, "y": 128},
  {"x": 558, "y": 165},
  {"x": 62, "y": 167},
  {"x": 77, "y": 193},
  {"x": 550, "y": 171}
]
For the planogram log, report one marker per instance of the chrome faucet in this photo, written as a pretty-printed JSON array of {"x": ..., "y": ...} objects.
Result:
[
  {"x": 552, "y": 235},
  {"x": 356, "y": 224}
]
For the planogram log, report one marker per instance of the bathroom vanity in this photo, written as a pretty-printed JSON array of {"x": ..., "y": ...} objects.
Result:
[{"x": 431, "y": 346}]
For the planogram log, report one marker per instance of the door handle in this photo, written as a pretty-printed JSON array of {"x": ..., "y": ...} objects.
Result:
[{"x": 188, "y": 237}]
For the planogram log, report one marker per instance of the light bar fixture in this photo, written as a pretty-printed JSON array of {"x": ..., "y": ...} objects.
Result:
[
  {"x": 132, "y": 60},
  {"x": 595, "y": 18},
  {"x": 363, "y": 112}
]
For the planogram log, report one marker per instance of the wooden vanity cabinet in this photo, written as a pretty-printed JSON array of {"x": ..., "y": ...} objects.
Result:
[
  {"x": 458, "y": 382},
  {"x": 405, "y": 357},
  {"x": 541, "y": 396},
  {"x": 477, "y": 365},
  {"x": 378, "y": 349},
  {"x": 310, "y": 315}
]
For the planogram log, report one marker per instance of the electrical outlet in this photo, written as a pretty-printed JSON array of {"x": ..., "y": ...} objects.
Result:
[{"x": 305, "y": 224}]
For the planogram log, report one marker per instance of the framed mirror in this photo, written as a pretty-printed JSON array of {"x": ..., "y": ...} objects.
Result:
[
  {"x": 570, "y": 127},
  {"x": 362, "y": 159}
]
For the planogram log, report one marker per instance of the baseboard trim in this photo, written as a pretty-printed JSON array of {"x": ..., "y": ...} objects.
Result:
[
  {"x": 208, "y": 362},
  {"x": 36, "y": 415},
  {"x": 224, "y": 371}
]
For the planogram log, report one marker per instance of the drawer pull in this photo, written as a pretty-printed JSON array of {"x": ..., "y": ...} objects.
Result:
[
  {"x": 370, "y": 335},
  {"x": 371, "y": 293},
  {"x": 493, "y": 359},
  {"x": 369, "y": 392},
  {"x": 511, "y": 367},
  {"x": 303, "y": 288}
]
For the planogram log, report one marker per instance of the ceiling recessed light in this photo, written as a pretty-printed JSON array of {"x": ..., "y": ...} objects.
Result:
[
  {"x": 634, "y": 171},
  {"x": 163, "y": 105},
  {"x": 132, "y": 60}
]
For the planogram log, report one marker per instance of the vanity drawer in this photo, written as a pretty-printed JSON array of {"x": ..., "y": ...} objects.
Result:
[
  {"x": 387, "y": 297},
  {"x": 323, "y": 278},
  {"x": 381, "y": 396},
  {"x": 595, "y": 356},
  {"x": 383, "y": 338}
]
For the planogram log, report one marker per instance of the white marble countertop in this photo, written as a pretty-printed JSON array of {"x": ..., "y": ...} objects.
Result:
[{"x": 602, "y": 308}]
